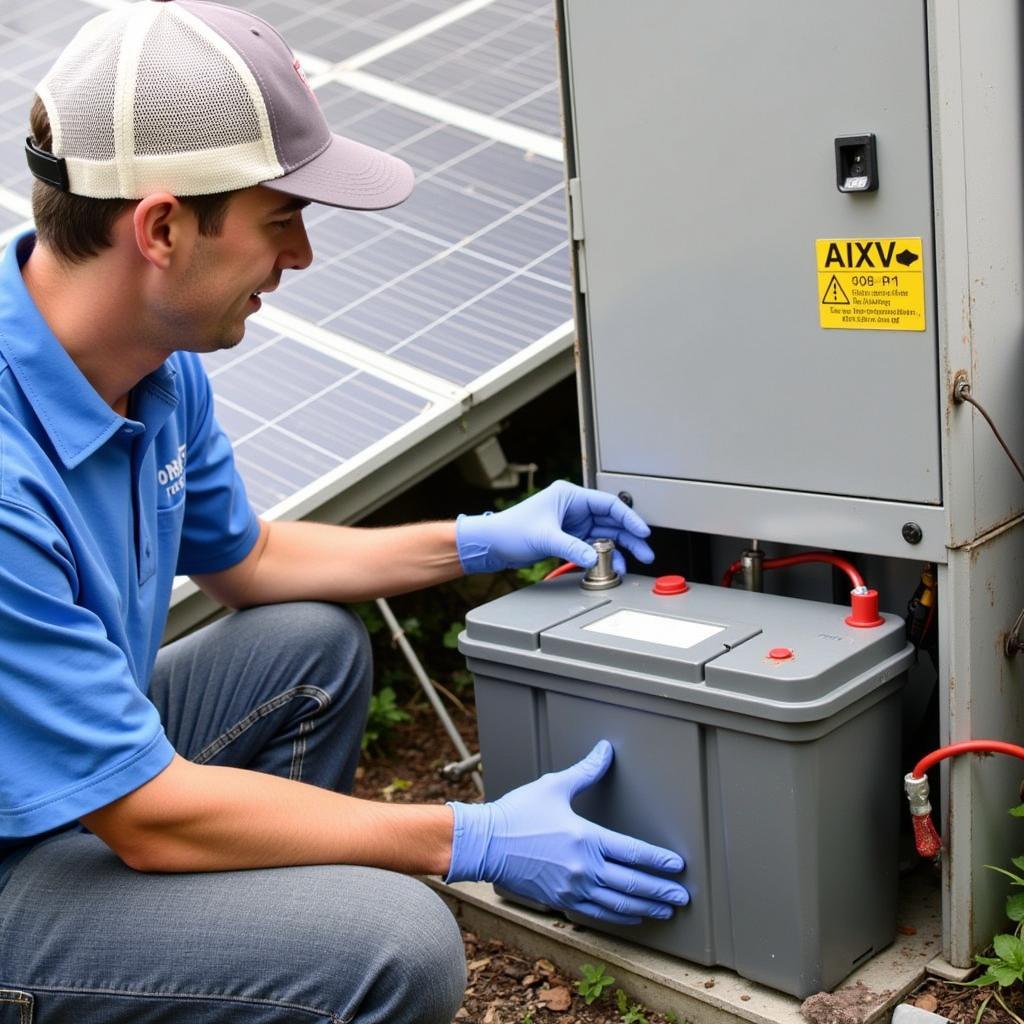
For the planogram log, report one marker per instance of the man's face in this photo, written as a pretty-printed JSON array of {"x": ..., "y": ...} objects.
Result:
[{"x": 262, "y": 236}]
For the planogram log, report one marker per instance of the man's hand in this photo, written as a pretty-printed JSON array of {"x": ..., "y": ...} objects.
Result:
[
  {"x": 533, "y": 843},
  {"x": 556, "y": 521}
]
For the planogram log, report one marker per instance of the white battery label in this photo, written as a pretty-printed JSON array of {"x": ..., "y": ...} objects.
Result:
[{"x": 654, "y": 629}]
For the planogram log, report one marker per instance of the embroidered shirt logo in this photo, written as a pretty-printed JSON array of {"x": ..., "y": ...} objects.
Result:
[{"x": 172, "y": 476}]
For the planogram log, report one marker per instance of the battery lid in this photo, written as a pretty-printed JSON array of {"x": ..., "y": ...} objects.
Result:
[
  {"x": 712, "y": 646},
  {"x": 646, "y": 639}
]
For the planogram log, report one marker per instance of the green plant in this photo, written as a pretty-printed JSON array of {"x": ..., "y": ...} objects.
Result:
[
  {"x": 594, "y": 979},
  {"x": 535, "y": 573},
  {"x": 396, "y": 785},
  {"x": 631, "y": 1013},
  {"x": 1006, "y": 968},
  {"x": 671, "y": 1017},
  {"x": 451, "y": 637},
  {"x": 384, "y": 715},
  {"x": 527, "y": 1018}
]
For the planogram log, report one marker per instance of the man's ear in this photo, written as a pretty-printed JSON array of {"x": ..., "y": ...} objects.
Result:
[{"x": 164, "y": 228}]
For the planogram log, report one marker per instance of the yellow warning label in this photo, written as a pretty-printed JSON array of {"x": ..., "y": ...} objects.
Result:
[{"x": 871, "y": 284}]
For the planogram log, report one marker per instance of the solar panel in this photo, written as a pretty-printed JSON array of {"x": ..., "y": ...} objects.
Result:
[
  {"x": 499, "y": 61},
  {"x": 295, "y": 413},
  {"x": 333, "y": 31}
]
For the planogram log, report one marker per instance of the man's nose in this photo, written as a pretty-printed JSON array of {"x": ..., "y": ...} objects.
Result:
[{"x": 297, "y": 253}]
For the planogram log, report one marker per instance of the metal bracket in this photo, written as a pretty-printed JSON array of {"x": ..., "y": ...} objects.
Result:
[
  {"x": 1013, "y": 644},
  {"x": 453, "y": 772}
]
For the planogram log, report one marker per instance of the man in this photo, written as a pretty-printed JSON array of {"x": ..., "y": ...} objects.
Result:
[{"x": 175, "y": 842}]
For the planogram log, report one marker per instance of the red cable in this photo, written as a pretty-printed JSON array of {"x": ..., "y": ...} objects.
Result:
[
  {"x": 926, "y": 836},
  {"x": 562, "y": 570},
  {"x": 807, "y": 556},
  {"x": 968, "y": 747}
]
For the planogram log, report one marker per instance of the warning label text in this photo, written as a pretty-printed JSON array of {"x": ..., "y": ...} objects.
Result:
[{"x": 871, "y": 283}]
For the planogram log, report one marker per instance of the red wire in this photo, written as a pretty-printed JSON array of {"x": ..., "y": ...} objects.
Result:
[
  {"x": 807, "y": 556},
  {"x": 968, "y": 747},
  {"x": 562, "y": 570}
]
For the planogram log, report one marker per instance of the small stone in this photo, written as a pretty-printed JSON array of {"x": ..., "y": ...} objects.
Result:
[
  {"x": 556, "y": 999},
  {"x": 544, "y": 967},
  {"x": 530, "y": 980},
  {"x": 927, "y": 1002},
  {"x": 745, "y": 999},
  {"x": 710, "y": 983}
]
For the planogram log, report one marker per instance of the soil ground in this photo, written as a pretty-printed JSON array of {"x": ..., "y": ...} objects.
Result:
[{"x": 967, "y": 1005}]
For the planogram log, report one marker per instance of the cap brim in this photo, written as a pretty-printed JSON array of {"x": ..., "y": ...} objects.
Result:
[{"x": 350, "y": 175}]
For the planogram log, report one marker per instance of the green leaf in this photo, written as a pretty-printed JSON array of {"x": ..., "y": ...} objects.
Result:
[
  {"x": 1018, "y": 863},
  {"x": 1018, "y": 811},
  {"x": 1017, "y": 880},
  {"x": 1015, "y": 907},
  {"x": 1010, "y": 950},
  {"x": 451, "y": 637},
  {"x": 593, "y": 982},
  {"x": 990, "y": 960},
  {"x": 535, "y": 573},
  {"x": 620, "y": 1001},
  {"x": 412, "y": 627},
  {"x": 983, "y": 979},
  {"x": 1006, "y": 976}
]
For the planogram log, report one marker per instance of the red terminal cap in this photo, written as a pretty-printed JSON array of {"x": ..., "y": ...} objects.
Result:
[
  {"x": 780, "y": 654},
  {"x": 667, "y": 585},
  {"x": 864, "y": 610}
]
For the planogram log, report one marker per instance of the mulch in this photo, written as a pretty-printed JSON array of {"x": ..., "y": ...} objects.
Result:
[{"x": 964, "y": 1004}]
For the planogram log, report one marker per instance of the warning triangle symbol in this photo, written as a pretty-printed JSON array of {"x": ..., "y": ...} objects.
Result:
[{"x": 834, "y": 294}]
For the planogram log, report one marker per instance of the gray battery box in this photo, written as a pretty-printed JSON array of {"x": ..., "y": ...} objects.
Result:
[{"x": 758, "y": 736}]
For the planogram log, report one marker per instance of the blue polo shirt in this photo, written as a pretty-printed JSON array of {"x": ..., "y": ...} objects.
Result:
[{"x": 98, "y": 513}]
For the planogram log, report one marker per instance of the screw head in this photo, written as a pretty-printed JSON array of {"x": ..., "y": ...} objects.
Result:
[
  {"x": 912, "y": 533},
  {"x": 626, "y": 498}
]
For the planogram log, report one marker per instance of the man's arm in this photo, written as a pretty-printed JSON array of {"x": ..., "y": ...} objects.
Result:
[
  {"x": 207, "y": 818},
  {"x": 310, "y": 561},
  {"x": 314, "y": 562}
]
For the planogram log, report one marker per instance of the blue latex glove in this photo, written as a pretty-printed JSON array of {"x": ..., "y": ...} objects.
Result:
[
  {"x": 554, "y": 522},
  {"x": 533, "y": 843}
]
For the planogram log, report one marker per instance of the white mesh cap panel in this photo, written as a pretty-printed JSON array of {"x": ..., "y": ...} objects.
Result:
[
  {"x": 188, "y": 96},
  {"x": 79, "y": 90},
  {"x": 194, "y": 97},
  {"x": 148, "y": 98}
]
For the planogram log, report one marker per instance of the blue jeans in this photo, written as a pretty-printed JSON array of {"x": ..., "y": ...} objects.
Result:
[{"x": 83, "y": 939}]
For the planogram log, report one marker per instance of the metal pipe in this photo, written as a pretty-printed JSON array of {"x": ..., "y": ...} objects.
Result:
[
  {"x": 752, "y": 567},
  {"x": 398, "y": 637}
]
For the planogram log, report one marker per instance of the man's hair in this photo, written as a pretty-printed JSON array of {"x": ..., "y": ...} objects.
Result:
[{"x": 77, "y": 227}]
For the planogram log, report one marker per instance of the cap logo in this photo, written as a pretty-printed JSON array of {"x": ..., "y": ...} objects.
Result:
[{"x": 302, "y": 75}]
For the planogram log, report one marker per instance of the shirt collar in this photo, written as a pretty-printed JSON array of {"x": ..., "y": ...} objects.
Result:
[{"x": 72, "y": 413}]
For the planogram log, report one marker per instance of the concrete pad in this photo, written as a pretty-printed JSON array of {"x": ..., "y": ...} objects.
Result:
[
  {"x": 943, "y": 969},
  {"x": 703, "y": 995}
]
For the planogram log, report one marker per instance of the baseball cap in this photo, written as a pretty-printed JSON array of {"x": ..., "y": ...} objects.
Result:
[{"x": 194, "y": 97}]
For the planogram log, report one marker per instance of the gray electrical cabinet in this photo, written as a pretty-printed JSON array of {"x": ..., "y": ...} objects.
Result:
[
  {"x": 793, "y": 226},
  {"x": 756, "y": 735},
  {"x": 708, "y": 158}
]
